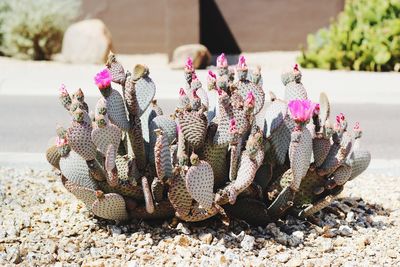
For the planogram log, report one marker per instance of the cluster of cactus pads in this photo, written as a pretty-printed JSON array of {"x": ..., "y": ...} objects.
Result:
[{"x": 244, "y": 158}]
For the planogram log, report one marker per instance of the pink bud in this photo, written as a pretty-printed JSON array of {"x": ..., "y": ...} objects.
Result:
[
  {"x": 222, "y": 62},
  {"x": 357, "y": 127},
  {"x": 212, "y": 75},
  {"x": 232, "y": 126},
  {"x": 103, "y": 79},
  {"x": 189, "y": 65},
  {"x": 194, "y": 93},
  {"x": 61, "y": 142},
  {"x": 242, "y": 63},
  {"x": 194, "y": 76},
  {"x": 63, "y": 90},
  {"x": 296, "y": 67},
  {"x": 250, "y": 99},
  {"x": 182, "y": 92},
  {"x": 219, "y": 91},
  {"x": 340, "y": 118},
  {"x": 316, "y": 109}
]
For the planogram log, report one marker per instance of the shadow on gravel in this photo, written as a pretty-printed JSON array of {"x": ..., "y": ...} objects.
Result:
[{"x": 344, "y": 217}]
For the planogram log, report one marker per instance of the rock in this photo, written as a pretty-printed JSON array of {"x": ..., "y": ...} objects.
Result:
[
  {"x": 283, "y": 257},
  {"x": 199, "y": 53},
  {"x": 183, "y": 241},
  {"x": 98, "y": 263},
  {"x": 326, "y": 245},
  {"x": 345, "y": 230},
  {"x": 350, "y": 217},
  {"x": 295, "y": 262},
  {"x": 132, "y": 264},
  {"x": 87, "y": 41},
  {"x": 183, "y": 229},
  {"x": 296, "y": 238},
  {"x": 206, "y": 238},
  {"x": 392, "y": 253},
  {"x": 248, "y": 242}
]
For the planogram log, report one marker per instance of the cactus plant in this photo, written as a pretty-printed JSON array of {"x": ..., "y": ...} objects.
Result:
[{"x": 132, "y": 161}]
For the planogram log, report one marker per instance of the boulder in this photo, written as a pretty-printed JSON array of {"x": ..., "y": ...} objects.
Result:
[
  {"x": 199, "y": 53},
  {"x": 87, "y": 41}
]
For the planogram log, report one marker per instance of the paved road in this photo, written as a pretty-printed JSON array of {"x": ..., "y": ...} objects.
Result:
[{"x": 27, "y": 123}]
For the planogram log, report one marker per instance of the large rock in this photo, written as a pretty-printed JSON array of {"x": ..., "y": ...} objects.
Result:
[
  {"x": 87, "y": 41},
  {"x": 199, "y": 53}
]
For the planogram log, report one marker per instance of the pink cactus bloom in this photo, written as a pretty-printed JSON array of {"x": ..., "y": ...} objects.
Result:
[
  {"x": 182, "y": 92},
  {"x": 250, "y": 99},
  {"x": 232, "y": 126},
  {"x": 189, "y": 65},
  {"x": 222, "y": 62},
  {"x": 211, "y": 76},
  {"x": 340, "y": 118},
  {"x": 103, "y": 79},
  {"x": 301, "y": 110},
  {"x": 316, "y": 109},
  {"x": 357, "y": 127},
  {"x": 63, "y": 90},
  {"x": 242, "y": 63},
  {"x": 61, "y": 141}
]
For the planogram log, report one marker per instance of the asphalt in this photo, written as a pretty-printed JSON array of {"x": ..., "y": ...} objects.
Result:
[{"x": 28, "y": 123}]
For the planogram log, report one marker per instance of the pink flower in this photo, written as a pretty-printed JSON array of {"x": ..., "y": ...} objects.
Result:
[
  {"x": 103, "y": 79},
  {"x": 232, "y": 126},
  {"x": 301, "y": 110},
  {"x": 63, "y": 90},
  {"x": 340, "y": 118},
  {"x": 250, "y": 99},
  {"x": 182, "y": 92},
  {"x": 61, "y": 141},
  {"x": 357, "y": 127},
  {"x": 222, "y": 62},
  {"x": 242, "y": 63},
  {"x": 296, "y": 67},
  {"x": 189, "y": 65},
  {"x": 316, "y": 109},
  {"x": 219, "y": 91},
  {"x": 211, "y": 76}
]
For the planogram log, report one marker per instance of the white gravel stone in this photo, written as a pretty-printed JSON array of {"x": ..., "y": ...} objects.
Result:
[{"x": 248, "y": 243}]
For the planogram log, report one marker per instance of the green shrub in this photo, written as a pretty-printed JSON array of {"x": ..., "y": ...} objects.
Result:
[
  {"x": 365, "y": 36},
  {"x": 34, "y": 29}
]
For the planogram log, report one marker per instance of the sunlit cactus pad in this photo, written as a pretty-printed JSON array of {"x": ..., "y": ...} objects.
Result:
[{"x": 247, "y": 158}]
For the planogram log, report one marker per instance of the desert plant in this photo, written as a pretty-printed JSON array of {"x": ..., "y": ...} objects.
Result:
[
  {"x": 365, "y": 36},
  {"x": 34, "y": 29},
  {"x": 129, "y": 160}
]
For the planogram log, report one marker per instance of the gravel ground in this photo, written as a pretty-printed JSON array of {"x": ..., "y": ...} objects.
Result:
[{"x": 42, "y": 224}]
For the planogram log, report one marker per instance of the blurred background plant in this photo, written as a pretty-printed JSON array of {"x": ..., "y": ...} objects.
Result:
[
  {"x": 34, "y": 29},
  {"x": 365, "y": 36}
]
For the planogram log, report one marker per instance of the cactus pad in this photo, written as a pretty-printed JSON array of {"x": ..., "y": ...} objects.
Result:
[
  {"x": 110, "y": 206},
  {"x": 75, "y": 169},
  {"x": 194, "y": 128},
  {"x": 200, "y": 183}
]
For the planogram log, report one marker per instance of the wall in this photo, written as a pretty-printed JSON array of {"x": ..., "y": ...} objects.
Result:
[{"x": 158, "y": 26}]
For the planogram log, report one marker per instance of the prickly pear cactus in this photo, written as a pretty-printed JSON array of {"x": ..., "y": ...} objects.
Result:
[{"x": 132, "y": 161}]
